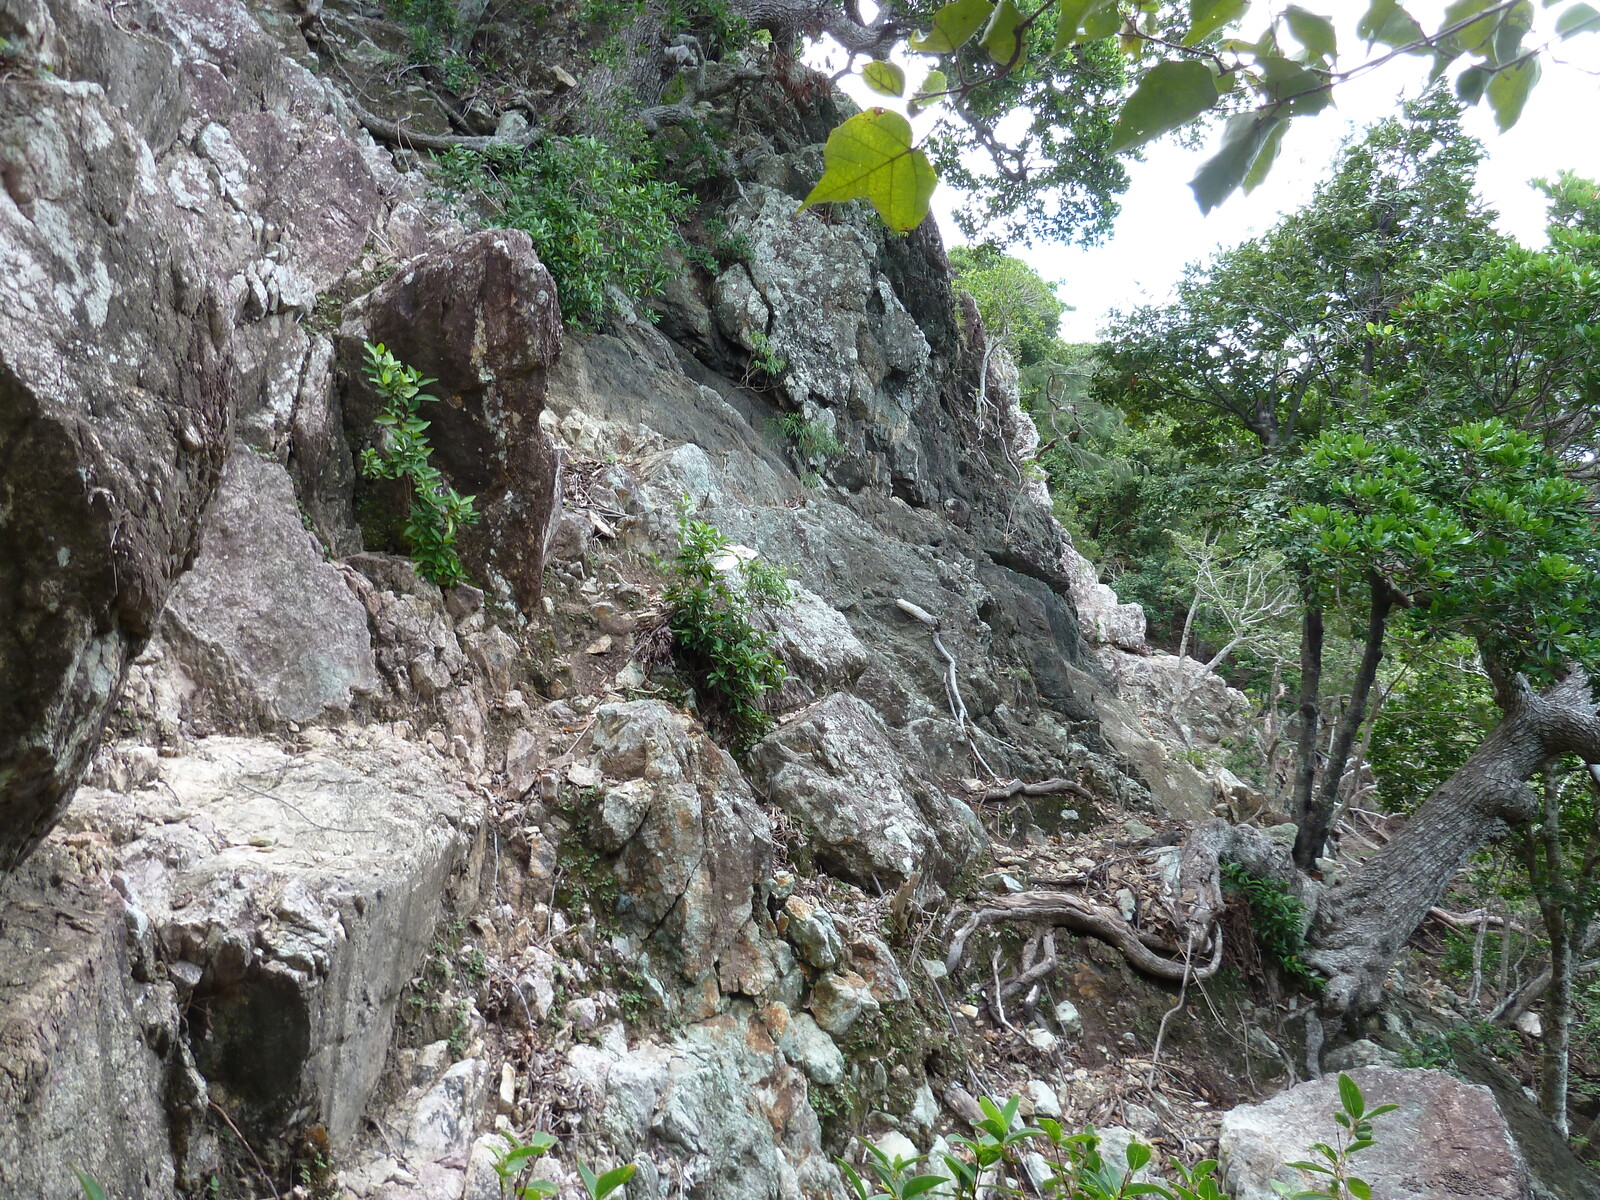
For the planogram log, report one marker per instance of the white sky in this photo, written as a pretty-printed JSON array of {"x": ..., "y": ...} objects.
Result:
[{"x": 1161, "y": 229}]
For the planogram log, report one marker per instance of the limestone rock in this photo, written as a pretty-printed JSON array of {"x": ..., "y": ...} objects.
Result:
[
  {"x": 1105, "y": 620},
  {"x": 813, "y": 1051},
  {"x": 811, "y": 928},
  {"x": 1448, "y": 1140},
  {"x": 838, "y": 1001},
  {"x": 873, "y": 820},
  {"x": 114, "y": 406},
  {"x": 696, "y": 840},
  {"x": 482, "y": 319},
  {"x": 301, "y": 890},
  {"x": 267, "y": 631}
]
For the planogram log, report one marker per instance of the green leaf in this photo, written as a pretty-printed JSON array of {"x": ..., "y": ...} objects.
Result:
[
  {"x": 1169, "y": 95},
  {"x": 1387, "y": 22},
  {"x": 1359, "y": 1188},
  {"x": 613, "y": 1179},
  {"x": 922, "y": 1183},
  {"x": 1138, "y": 1155},
  {"x": 1208, "y": 16},
  {"x": 930, "y": 91},
  {"x": 870, "y": 157},
  {"x": 1001, "y": 39},
  {"x": 953, "y": 26},
  {"x": 1243, "y": 141},
  {"x": 1508, "y": 92},
  {"x": 1084, "y": 21},
  {"x": 884, "y": 78},
  {"x": 1284, "y": 81},
  {"x": 90, "y": 1185},
  {"x": 1580, "y": 18},
  {"x": 1471, "y": 83},
  {"x": 1313, "y": 32},
  {"x": 1474, "y": 35},
  {"x": 1268, "y": 155},
  {"x": 1350, "y": 1096}
]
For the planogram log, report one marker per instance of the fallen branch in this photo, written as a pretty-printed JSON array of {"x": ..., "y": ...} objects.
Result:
[{"x": 952, "y": 689}]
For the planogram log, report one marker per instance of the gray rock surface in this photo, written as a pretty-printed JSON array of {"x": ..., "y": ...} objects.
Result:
[
  {"x": 870, "y": 818},
  {"x": 291, "y": 896},
  {"x": 1447, "y": 1141},
  {"x": 264, "y": 628}
]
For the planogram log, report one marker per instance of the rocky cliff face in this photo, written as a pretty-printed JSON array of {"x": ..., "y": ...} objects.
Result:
[{"x": 354, "y": 872}]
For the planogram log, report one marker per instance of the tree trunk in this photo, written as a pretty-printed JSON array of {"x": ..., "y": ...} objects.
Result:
[
  {"x": 1305, "y": 774},
  {"x": 1360, "y": 926},
  {"x": 1556, "y": 1049},
  {"x": 1317, "y": 820}
]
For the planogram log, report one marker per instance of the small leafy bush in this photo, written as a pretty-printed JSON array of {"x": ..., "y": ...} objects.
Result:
[
  {"x": 714, "y": 594},
  {"x": 985, "y": 1163},
  {"x": 598, "y": 216},
  {"x": 1279, "y": 922},
  {"x": 812, "y": 439},
  {"x": 438, "y": 512},
  {"x": 514, "y": 1162}
]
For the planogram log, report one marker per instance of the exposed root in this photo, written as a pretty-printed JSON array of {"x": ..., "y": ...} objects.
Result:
[
  {"x": 1083, "y": 916},
  {"x": 1046, "y": 787}
]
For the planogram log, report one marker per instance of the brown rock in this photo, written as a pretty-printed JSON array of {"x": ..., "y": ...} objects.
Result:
[{"x": 482, "y": 319}]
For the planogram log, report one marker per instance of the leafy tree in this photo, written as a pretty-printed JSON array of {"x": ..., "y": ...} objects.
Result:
[
  {"x": 1019, "y": 308},
  {"x": 1053, "y": 181},
  {"x": 1186, "y": 62}
]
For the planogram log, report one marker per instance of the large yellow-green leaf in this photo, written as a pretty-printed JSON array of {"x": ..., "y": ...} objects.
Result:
[
  {"x": 884, "y": 78},
  {"x": 870, "y": 157},
  {"x": 930, "y": 93},
  {"x": 1508, "y": 91},
  {"x": 1169, "y": 95},
  {"x": 1388, "y": 22},
  {"x": 953, "y": 26},
  {"x": 1001, "y": 39},
  {"x": 1312, "y": 31},
  {"x": 1208, "y": 16}
]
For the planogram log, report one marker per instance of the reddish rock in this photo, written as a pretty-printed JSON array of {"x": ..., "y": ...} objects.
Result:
[{"x": 482, "y": 319}]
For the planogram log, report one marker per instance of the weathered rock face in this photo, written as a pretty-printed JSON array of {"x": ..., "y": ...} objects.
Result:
[
  {"x": 690, "y": 841},
  {"x": 289, "y": 898},
  {"x": 869, "y": 819},
  {"x": 1447, "y": 1141},
  {"x": 265, "y": 630},
  {"x": 115, "y": 400},
  {"x": 482, "y": 319}
]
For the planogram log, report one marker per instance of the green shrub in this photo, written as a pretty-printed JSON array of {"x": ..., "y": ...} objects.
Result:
[
  {"x": 1279, "y": 922},
  {"x": 438, "y": 512},
  {"x": 599, "y": 218},
  {"x": 711, "y": 621},
  {"x": 812, "y": 439},
  {"x": 1002, "y": 1143}
]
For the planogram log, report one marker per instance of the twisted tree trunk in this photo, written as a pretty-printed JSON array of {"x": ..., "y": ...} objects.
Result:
[{"x": 1361, "y": 924}]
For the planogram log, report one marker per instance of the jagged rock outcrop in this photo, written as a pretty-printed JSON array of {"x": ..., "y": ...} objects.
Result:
[{"x": 481, "y": 318}]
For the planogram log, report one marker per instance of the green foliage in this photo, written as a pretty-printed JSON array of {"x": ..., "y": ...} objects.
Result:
[
  {"x": 1078, "y": 1171},
  {"x": 1051, "y": 177},
  {"x": 1192, "y": 60},
  {"x": 1437, "y": 707},
  {"x": 438, "y": 512},
  {"x": 92, "y": 1188},
  {"x": 812, "y": 439},
  {"x": 514, "y": 1162},
  {"x": 1278, "y": 920},
  {"x": 1328, "y": 1171},
  {"x": 714, "y": 594},
  {"x": 599, "y": 216},
  {"x": 1019, "y": 308},
  {"x": 1482, "y": 535},
  {"x": 764, "y": 357}
]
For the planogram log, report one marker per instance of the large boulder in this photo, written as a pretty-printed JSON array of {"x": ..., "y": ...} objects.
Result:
[
  {"x": 1447, "y": 1141},
  {"x": 263, "y": 627},
  {"x": 690, "y": 842},
  {"x": 115, "y": 399},
  {"x": 482, "y": 319},
  {"x": 869, "y": 818}
]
